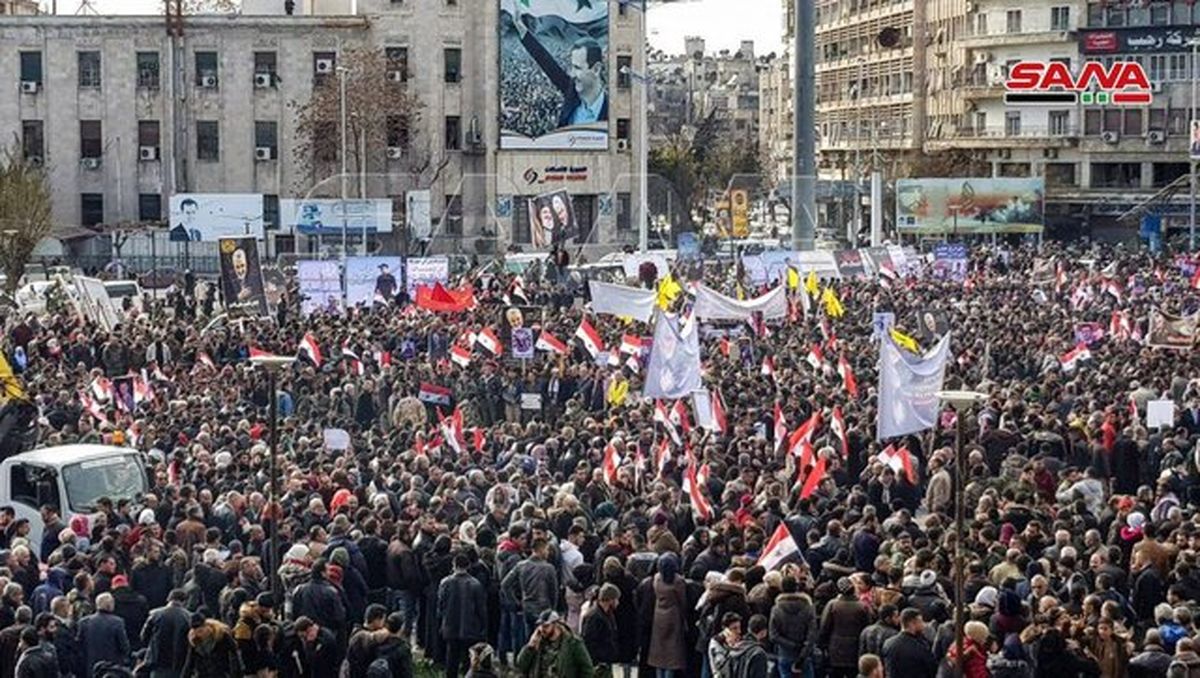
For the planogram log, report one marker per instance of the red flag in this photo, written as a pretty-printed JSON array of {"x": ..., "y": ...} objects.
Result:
[
  {"x": 679, "y": 417},
  {"x": 838, "y": 425},
  {"x": 256, "y": 352},
  {"x": 661, "y": 416},
  {"x": 460, "y": 356},
  {"x": 906, "y": 463},
  {"x": 452, "y": 429},
  {"x": 490, "y": 342},
  {"x": 718, "y": 411},
  {"x": 310, "y": 350},
  {"x": 778, "y": 549},
  {"x": 662, "y": 456},
  {"x": 724, "y": 345},
  {"x": 848, "y": 381},
  {"x": 549, "y": 343},
  {"x": 780, "y": 428},
  {"x": 631, "y": 344},
  {"x": 612, "y": 461},
  {"x": 477, "y": 439},
  {"x": 805, "y": 432},
  {"x": 814, "y": 479},
  {"x": 816, "y": 357},
  {"x": 589, "y": 337},
  {"x": 768, "y": 367},
  {"x": 696, "y": 493},
  {"x": 1133, "y": 408}
]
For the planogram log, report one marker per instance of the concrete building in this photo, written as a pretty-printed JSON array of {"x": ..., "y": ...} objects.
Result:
[
  {"x": 124, "y": 115},
  {"x": 775, "y": 126},
  {"x": 690, "y": 87}
]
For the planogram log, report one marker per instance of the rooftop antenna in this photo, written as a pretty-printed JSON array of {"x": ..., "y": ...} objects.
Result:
[{"x": 85, "y": 8}]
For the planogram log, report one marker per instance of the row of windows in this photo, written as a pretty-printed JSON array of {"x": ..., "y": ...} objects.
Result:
[
  {"x": 1060, "y": 20},
  {"x": 1096, "y": 121},
  {"x": 1154, "y": 13},
  {"x": 1122, "y": 175}
]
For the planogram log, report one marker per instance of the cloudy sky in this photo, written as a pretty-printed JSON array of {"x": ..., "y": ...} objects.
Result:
[{"x": 723, "y": 23}]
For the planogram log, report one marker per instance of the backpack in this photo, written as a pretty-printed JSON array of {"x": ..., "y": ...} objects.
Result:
[{"x": 380, "y": 668}]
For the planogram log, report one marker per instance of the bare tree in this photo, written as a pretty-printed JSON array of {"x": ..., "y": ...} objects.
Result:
[
  {"x": 381, "y": 112},
  {"x": 24, "y": 213},
  {"x": 206, "y": 6}
]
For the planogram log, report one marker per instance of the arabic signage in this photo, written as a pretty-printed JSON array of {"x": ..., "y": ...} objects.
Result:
[
  {"x": 556, "y": 173},
  {"x": 1138, "y": 40}
]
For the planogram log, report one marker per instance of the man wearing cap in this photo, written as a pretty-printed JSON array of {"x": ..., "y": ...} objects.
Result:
[
  {"x": 165, "y": 637},
  {"x": 131, "y": 607},
  {"x": 553, "y": 651}
]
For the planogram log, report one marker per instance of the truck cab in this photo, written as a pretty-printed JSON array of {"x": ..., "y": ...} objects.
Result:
[{"x": 70, "y": 477}]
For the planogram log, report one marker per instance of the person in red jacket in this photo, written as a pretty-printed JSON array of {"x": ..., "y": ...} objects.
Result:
[{"x": 975, "y": 651}]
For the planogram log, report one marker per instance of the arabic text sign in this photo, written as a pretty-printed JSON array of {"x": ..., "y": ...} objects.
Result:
[{"x": 329, "y": 217}]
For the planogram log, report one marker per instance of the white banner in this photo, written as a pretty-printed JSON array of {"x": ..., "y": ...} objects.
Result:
[
  {"x": 426, "y": 271},
  {"x": 327, "y": 217},
  {"x": 208, "y": 217},
  {"x": 908, "y": 387},
  {"x": 417, "y": 214},
  {"x": 674, "y": 368},
  {"x": 622, "y": 301},
  {"x": 712, "y": 305},
  {"x": 320, "y": 286}
]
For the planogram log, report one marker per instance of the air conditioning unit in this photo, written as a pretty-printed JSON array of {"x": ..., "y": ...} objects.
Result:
[
  {"x": 208, "y": 81},
  {"x": 396, "y": 76},
  {"x": 324, "y": 66},
  {"x": 148, "y": 153},
  {"x": 983, "y": 57},
  {"x": 262, "y": 153},
  {"x": 1110, "y": 137},
  {"x": 394, "y": 152},
  {"x": 263, "y": 81},
  {"x": 474, "y": 138},
  {"x": 90, "y": 163},
  {"x": 29, "y": 86},
  {"x": 1050, "y": 153},
  {"x": 1157, "y": 137},
  {"x": 622, "y": 145},
  {"x": 1156, "y": 86}
]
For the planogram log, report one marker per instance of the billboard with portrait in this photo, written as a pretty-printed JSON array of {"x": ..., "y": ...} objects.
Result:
[
  {"x": 372, "y": 280},
  {"x": 553, "y": 75},
  {"x": 551, "y": 218},
  {"x": 325, "y": 217},
  {"x": 320, "y": 286},
  {"x": 242, "y": 278},
  {"x": 209, "y": 217},
  {"x": 983, "y": 205}
]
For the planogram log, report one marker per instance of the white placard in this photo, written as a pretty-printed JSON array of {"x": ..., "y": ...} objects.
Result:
[
  {"x": 336, "y": 439},
  {"x": 1160, "y": 413},
  {"x": 702, "y": 406},
  {"x": 531, "y": 401}
]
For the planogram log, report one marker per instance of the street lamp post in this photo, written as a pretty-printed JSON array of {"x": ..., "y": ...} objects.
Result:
[
  {"x": 273, "y": 364},
  {"x": 960, "y": 401},
  {"x": 1192, "y": 154},
  {"x": 342, "y": 71}
]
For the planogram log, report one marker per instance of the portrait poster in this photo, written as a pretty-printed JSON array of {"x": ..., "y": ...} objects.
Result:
[
  {"x": 1171, "y": 331},
  {"x": 320, "y": 287},
  {"x": 242, "y": 278},
  {"x": 208, "y": 217},
  {"x": 551, "y": 218},
  {"x": 372, "y": 280}
]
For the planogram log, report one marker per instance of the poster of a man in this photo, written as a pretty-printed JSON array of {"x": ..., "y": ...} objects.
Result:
[
  {"x": 553, "y": 87},
  {"x": 385, "y": 284},
  {"x": 551, "y": 218},
  {"x": 209, "y": 217},
  {"x": 185, "y": 228},
  {"x": 242, "y": 278}
]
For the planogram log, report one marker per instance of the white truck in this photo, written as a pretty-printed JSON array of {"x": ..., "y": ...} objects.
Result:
[{"x": 71, "y": 477}]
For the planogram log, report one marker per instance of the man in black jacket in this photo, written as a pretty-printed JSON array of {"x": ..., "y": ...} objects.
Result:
[
  {"x": 38, "y": 659},
  {"x": 321, "y": 602},
  {"x": 599, "y": 627},
  {"x": 165, "y": 636},
  {"x": 462, "y": 608},
  {"x": 581, "y": 84},
  {"x": 909, "y": 653},
  {"x": 309, "y": 651},
  {"x": 102, "y": 636},
  {"x": 131, "y": 607}
]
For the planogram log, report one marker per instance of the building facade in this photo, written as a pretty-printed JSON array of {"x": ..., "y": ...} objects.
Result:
[
  {"x": 124, "y": 114},
  {"x": 695, "y": 86}
]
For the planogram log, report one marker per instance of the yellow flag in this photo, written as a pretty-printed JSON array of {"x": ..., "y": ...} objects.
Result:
[
  {"x": 811, "y": 284},
  {"x": 741, "y": 293},
  {"x": 793, "y": 278},
  {"x": 668, "y": 291},
  {"x": 833, "y": 305},
  {"x": 618, "y": 390},
  {"x": 904, "y": 341},
  {"x": 12, "y": 387}
]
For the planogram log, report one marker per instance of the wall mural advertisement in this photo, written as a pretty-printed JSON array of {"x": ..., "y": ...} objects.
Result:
[
  {"x": 553, "y": 79},
  {"x": 977, "y": 206}
]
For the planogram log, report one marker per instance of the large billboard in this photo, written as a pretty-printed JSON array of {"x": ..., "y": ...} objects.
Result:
[
  {"x": 242, "y": 278},
  {"x": 209, "y": 217},
  {"x": 320, "y": 284},
  {"x": 325, "y": 216},
  {"x": 940, "y": 206},
  {"x": 553, "y": 75},
  {"x": 372, "y": 280},
  {"x": 551, "y": 219}
]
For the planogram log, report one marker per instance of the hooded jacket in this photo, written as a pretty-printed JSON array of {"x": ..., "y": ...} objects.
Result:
[
  {"x": 793, "y": 626},
  {"x": 212, "y": 652}
]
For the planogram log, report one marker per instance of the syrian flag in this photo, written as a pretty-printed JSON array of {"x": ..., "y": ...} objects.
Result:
[
  {"x": 848, "y": 381},
  {"x": 357, "y": 368},
  {"x": 589, "y": 337},
  {"x": 478, "y": 440},
  {"x": 383, "y": 358},
  {"x": 433, "y": 394},
  {"x": 837, "y": 424},
  {"x": 460, "y": 356},
  {"x": 815, "y": 357},
  {"x": 633, "y": 364},
  {"x": 663, "y": 417},
  {"x": 662, "y": 456},
  {"x": 900, "y": 460},
  {"x": 781, "y": 547},
  {"x": 887, "y": 273},
  {"x": 805, "y": 432},
  {"x": 93, "y": 408},
  {"x": 679, "y": 417},
  {"x": 310, "y": 350},
  {"x": 806, "y": 456},
  {"x": 780, "y": 431},
  {"x": 702, "y": 475},
  {"x": 631, "y": 344},
  {"x": 768, "y": 367},
  {"x": 517, "y": 289},
  {"x": 256, "y": 352},
  {"x": 1112, "y": 288},
  {"x": 813, "y": 480},
  {"x": 549, "y": 343},
  {"x": 204, "y": 359},
  {"x": 696, "y": 493},
  {"x": 1071, "y": 359},
  {"x": 451, "y": 428},
  {"x": 349, "y": 353},
  {"x": 490, "y": 342},
  {"x": 718, "y": 411},
  {"x": 612, "y": 461}
]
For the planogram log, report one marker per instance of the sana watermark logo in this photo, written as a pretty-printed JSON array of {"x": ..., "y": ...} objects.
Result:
[{"x": 1121, "y": 83}]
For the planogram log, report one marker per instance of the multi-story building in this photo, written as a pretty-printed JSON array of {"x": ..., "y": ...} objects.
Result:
[
  {"x": 775, "y": 126},
  {"x": 691, "y": 87},
  {"x": 23, "y": 7},
  {"x": 124, "y": 115}
]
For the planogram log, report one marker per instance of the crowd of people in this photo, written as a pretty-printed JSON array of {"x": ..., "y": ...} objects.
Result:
[{"x": 518, "y": 550}]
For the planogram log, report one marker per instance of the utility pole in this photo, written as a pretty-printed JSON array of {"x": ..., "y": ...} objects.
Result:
[{"x": 804, "y": 161}]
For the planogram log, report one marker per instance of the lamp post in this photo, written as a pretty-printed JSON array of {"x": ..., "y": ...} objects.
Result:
[
  {"x": 960, "y": 401},
  {"x": 273, "y": 364},
  {"x": 342, "y": 72}
]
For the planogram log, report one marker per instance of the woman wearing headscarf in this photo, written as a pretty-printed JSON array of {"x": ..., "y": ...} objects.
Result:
[{"x": 667, "y": 651}]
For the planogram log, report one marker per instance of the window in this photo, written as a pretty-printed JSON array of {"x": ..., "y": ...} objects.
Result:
[
  {"x": 1095, "y": 17},
  {"x": 91, "y": 143},
  {"x": 1092, "y": 124},
  {"x": 265, "y": 64},
  {"x": 623, "y": 129},
  {"x": 1160, "y": 14},
  {"x": 148, "y": 133},
  {"x": 624, "y": 212},
  {"x": 271, "y": 212},
  {"x": 452, "y": 58},
  {"x": 1157, "y": 120},
  {"x": 150, "y": 207},
  {"x": 324, "y": 66},
  {"x": 1177, "y": 120},
  {"x": 453, "y": 133},
  {"x": 1014, "y": 169},
  {"x": 147, "y": 70},
  {"x": 1112, "y": 120},
  {"x": 1012, "y": 124},
  {"x": 624, "y": 71},
  {"x": 1133, "y": 121},
  {"x": 89, "y": 69},
  {"x": 266, "y": 135},
  {"x": 206, "y": 69},
  {"x": 397, "y": 59},
  {"x": 208, "y": 141},
  {"x": 1115, "y": 15},
  {"x": 452, "y": 219},
  {"x": 1060, "y": 174},
  {"x": 1116, "y": 174},
  {"x": 1166, "y": 172},
  {"x": 91, "y": 209},
  {"x": 981, "y": 27},
  {"x": 1060, "y": 123},
  {"x": 31, "y": 67},
  {"x": 397, "y": 131},
  {"x": 33, "y": 139},
  {"x": 1013, "y": 21},
  {"x": 585, "y": 218},
  {"x": 1060, "y": 18}
]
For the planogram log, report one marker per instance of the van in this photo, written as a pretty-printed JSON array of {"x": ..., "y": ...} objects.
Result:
[
  {"x": 71, "y": 477},
  {"x": 120, "y": 290}
]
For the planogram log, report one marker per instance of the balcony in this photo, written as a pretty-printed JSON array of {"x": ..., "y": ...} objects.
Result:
[
  {"x": 1003, "y": 39},
  {"x": 1001, "y": 138}
]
